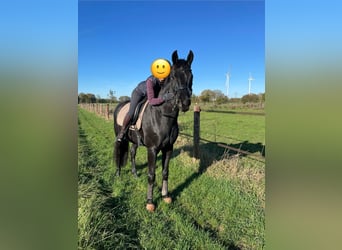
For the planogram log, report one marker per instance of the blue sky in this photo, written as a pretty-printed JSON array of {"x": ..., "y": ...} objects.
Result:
[{"x": 119, "y": 40}]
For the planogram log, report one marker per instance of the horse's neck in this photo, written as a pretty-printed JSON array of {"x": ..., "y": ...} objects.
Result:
[
  {"x": 163, "y": 90},
  {"x": 168, "y": 110}
]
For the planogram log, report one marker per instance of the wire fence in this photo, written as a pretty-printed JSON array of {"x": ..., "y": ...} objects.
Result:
[{"x": 105, "y": 110}]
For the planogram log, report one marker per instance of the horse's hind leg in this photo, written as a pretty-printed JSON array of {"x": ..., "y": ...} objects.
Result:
[
  {"x": 133, "y": 153},
  {"x": 166, "y": 156}
]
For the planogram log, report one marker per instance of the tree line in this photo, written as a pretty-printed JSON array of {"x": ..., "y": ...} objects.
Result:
[
  {"x": 91, "y": 98},
  {"x": 206, "y": 96}
]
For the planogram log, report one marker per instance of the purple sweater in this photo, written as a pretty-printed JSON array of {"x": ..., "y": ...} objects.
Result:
[{"x": 151, "y": 87}]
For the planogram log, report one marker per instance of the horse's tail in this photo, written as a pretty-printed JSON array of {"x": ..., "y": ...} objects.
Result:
[{"x": 121, "y": 153}]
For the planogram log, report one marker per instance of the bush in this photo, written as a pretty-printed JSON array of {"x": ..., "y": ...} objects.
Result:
[{"x": 251, "y": 98}]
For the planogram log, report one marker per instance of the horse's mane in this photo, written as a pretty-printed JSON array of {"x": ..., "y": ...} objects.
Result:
[{"x": 169, "y": 84}]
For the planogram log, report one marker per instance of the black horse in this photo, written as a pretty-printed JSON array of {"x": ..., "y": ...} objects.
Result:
[{"x": 159, "y": 129}]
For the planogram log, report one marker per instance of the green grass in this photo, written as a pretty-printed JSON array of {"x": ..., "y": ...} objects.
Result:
[
  {"x": 245, "y": 132},
  {"x": 229, "y": 127},
  {"x": 218, "y": 201}
]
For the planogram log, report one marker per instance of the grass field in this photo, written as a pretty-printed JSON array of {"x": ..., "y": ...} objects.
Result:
[
  {"x": 218, "y": 200},
  {"x": 226, "y": 127}
]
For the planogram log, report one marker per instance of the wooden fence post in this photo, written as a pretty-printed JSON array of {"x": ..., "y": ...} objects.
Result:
[
  {"x": 197, "y": 111},
  {"x": 107, "y": 111}
]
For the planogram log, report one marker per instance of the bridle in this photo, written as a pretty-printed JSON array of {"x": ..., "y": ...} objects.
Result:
[
  {"x": 176, "y": 100},
  {"x": 177, "y": 88}
]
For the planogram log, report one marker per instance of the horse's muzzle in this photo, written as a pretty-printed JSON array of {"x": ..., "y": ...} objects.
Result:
[{"x": 186, "y": 105}]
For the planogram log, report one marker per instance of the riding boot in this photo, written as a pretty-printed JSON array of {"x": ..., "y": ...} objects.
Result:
[{"x": 124, "y": 128}]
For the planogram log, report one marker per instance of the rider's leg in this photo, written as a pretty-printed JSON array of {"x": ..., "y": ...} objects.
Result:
[
  {"x": 124, "y": 127},
  {"x": 135, "y": 99}
]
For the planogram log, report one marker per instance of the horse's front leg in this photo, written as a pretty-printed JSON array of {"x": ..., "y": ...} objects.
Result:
[
  {"x": 133, "y": 153},
  {"x": 151, "y": 156},
  {"x": 166, "y": 156}
]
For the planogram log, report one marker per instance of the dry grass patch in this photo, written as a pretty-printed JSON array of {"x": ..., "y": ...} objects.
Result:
[{"x": 249, "y": 173}]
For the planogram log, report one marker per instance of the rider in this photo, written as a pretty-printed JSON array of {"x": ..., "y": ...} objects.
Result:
[{"x": 149, "y": 88}]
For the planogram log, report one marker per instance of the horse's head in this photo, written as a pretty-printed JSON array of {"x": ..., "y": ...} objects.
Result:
[{"x": 179, "y": 82}]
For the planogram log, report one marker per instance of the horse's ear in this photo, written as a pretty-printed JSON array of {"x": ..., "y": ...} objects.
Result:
[
  {"x": 174, "y": 57},
  {"x": 190, "y": 57}
]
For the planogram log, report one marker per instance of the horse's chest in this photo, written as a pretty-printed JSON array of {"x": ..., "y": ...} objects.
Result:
[
  {"x": 171, "y": 137},
  {"x": 161, "y": 138}
]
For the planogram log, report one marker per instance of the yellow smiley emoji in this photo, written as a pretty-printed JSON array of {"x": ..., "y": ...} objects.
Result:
[{"x": 160, "y": 68}]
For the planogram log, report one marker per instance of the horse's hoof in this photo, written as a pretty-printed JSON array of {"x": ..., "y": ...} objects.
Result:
[
  {"x": 150, "y": 207},
  {"x": 167, "y": 199}
]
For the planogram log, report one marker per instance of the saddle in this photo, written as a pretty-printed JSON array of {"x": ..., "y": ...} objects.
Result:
[{"x": 137, "y": 116}]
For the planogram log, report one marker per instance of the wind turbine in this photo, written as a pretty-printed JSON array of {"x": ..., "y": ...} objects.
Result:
[
  {"x": 250, "y": 79},
  {"x": 227, "y": 82}
]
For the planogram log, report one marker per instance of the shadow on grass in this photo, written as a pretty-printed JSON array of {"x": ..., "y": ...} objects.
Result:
[
  {"x": 249, "y": 147},
  {"x": 103, "y": 220},
  {"x": 214, "y": 235},
  {"x": 209, "y": 153}
]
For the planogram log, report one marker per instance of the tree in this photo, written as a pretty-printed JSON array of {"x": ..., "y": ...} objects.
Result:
[
  {"x": 250, "y": 98},
  {"x": 216, "y": 96},
  {"x": 98, "y": 98},
  {"x": 102, "y": 100},
  {"x": 220, "y": 98},
  {"x": 194, "y": 98},
  {"x": 111, "y": 96},
  {"x": 262, "y": 97},
  {"x": 234, "y": 100},
  {"x": 124, "y": 98},
  {"x": 86, "y": 98},
  {"x": 206, "y": 95},
  {"x": 81, "y": 98},
  {"x": 91, "y": 98}
]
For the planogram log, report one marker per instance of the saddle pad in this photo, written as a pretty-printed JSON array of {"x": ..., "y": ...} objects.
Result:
[
  {"x": 124, "y": 110},
  {"x": 122, "y": 113}
]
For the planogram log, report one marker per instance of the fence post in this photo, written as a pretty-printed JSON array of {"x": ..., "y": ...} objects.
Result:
[
  {"x": 197, "y": 111},
  {"x": 107, "y": 111}
]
